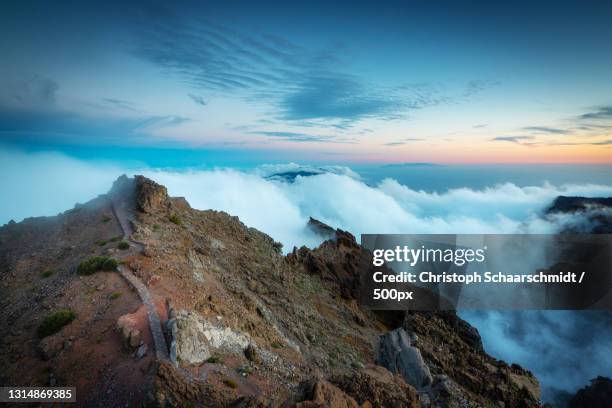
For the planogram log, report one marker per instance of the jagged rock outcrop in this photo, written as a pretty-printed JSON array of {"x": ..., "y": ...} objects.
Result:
[
  {"x": 596, "y": 210},
  {"x": 397, "y": 355},
  {"x": 321, "y": 229},
  {"x": 460, "y": 368},
  {"x": 376, "y": 387},
  {"x": 598, "y": 394},
  {"x": 150, "y": 196},
  {"x": 336, "y": 260}
]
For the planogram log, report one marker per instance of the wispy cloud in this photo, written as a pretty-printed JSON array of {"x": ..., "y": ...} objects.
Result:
[
  {"x": 511, "y": 139},
  {"x": 120, "y": 104},
  {"x": 546, "y": 130},
  {"x": 598, "y": 143},
  {"x": 31, "y": 91},
  {"x": 197, "y": 99},
  {"x": 602, "y": 112},
  {"x": 19, "y": 126},
  {"x": 338, "y": 97},
  {"x": 299, "y": 137},
  {"x": 404, "y": 141},
  {"x": 299, "y": 84}
]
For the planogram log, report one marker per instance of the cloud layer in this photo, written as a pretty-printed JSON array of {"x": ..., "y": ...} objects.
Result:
[{"x": 47, "y": 183}]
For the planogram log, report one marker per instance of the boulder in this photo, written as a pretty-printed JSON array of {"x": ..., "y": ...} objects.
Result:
[
  {"x": 396, "y": 354},
  {"x": 197, "y": 339},
  {"x": 192, "y": 345},
  {"x": 130, "y": 335}
]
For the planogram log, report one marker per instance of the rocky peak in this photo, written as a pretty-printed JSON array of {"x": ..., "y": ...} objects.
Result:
[
  {"x": 565, "y": 204},
  {"x": 150, "y": 196},
  {"x": 143, "y": 193},
  {"x": 321, "y": 229},
  {"x": 597, "y": 211},
  {"x": 596, "y": 395}
]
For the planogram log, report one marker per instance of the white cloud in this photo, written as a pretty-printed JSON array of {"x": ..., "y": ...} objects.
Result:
[
  {"x": 36, "y": 184},
  {"x": 48, "y": 183}
]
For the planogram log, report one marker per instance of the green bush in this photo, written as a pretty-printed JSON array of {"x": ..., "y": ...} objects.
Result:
[
  {"x": 95, "y": 264},
  {"x": 109, "y": 264},
  {"x": 101, "y": 242},
  {"x": 230, "y": 383},
  {"x": 106, "y": 218},
  {"x": 115, "y": 295},
  {"x": 123, "y": 245},
  {"x": 54, "y": 322},
  {"x": 46, "y": 273},
  {"x": 175, "y": 219},
  {"x": 214, "y": 360}
]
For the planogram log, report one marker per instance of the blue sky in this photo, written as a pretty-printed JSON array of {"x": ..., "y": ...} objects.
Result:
[{"x": 310, "y": 81}]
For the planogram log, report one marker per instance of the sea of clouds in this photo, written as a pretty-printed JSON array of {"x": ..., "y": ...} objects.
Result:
[
  {"x": 552, "y": 344},
  {"x": 48, "y": 183}
]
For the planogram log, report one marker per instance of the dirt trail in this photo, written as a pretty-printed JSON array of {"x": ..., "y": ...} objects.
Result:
[{"x": 123, "y": 216}]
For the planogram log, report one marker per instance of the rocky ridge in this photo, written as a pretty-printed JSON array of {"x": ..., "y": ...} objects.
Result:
[{"x": 245, "y": 325}]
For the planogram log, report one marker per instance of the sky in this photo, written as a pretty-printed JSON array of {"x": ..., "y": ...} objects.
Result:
[{"x": 322, "y": 82}]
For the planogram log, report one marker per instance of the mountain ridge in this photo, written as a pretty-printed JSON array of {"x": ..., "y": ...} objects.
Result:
[{"x": 245, "y": 325}]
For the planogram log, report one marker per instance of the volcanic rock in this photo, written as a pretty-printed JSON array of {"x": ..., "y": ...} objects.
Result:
[{"x": 397, "y": 355}]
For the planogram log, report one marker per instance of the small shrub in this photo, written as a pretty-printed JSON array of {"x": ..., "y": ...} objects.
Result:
[
  {"x": 123, "y": 245},
  {"x": 230, "y": 383},
  {"x": 278, "y": 247},
  {"x": 115, "y": 239},
  {"x": 115, "y": 295},
  {"x": 109, "y": 264},
  {"x": 175, "y": 219},
  {"x": 276, "y": 345},
  {"x": 46, "y": 273},
  {"x": 214, "y": 360},
  {"x": 156, "y": 227},
  {"x": 95, "y": 264},
  {"x": 101, "y": 242},
  {"x": 54, "y": 322},
  {"x": 106, "y": 218}
]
